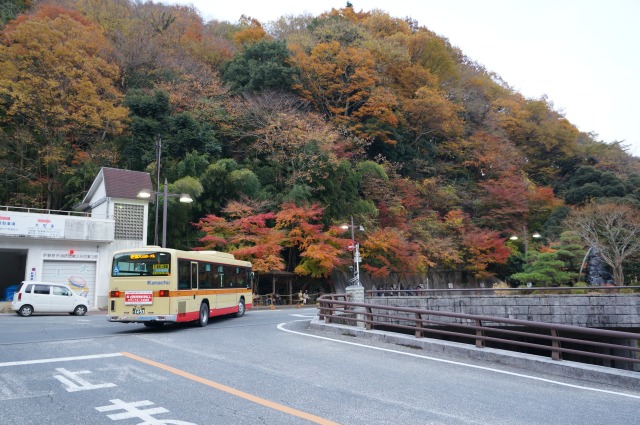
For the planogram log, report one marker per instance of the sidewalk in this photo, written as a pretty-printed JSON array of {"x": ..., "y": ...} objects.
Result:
[{"x": 281, "y": 307}]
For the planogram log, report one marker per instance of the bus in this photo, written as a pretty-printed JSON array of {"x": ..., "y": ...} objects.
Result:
[{"x": 154, "y": 286}]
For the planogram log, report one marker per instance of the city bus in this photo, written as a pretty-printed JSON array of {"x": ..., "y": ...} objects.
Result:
[{"x": 154, "y": 286}]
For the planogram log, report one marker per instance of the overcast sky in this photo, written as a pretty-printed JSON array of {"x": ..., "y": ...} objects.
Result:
[{"x": 582, "y": 54}]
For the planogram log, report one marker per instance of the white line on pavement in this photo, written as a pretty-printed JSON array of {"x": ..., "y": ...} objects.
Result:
[{"x": 60, "y": 359}]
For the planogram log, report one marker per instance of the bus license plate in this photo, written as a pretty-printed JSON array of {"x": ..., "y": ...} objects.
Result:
[{"x": 137, "y": 310}]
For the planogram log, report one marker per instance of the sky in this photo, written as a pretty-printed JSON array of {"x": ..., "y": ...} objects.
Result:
[{"x": 582, "y": 55}]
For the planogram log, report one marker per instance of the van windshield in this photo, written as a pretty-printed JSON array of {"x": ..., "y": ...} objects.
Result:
[{"x": 141, "y": 264}]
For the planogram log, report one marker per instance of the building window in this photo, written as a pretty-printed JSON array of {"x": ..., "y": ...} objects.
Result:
[{"x": 129, "y": 221}]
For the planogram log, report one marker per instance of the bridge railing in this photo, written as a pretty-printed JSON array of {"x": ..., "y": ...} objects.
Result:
[
  {"x": 554, "y": 338},
  {"x": 549, "y": 290}
]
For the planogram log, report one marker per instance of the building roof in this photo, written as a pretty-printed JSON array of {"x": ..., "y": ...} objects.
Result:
[{"x": 124, "y": 184}]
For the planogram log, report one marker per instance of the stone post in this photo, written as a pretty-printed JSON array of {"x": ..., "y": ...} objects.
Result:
[{"x": 355, "y": 294}]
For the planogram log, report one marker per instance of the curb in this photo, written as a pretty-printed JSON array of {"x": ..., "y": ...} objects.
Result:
[{"x": 564, "y": 368}]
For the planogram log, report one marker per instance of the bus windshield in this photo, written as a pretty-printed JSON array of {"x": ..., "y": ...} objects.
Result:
[{"x": 142, "y": 264}]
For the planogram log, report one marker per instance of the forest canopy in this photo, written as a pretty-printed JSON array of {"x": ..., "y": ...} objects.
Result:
[{"x": 285, "y": 130}]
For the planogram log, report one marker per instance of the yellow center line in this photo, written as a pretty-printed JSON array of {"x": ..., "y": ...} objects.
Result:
[{"x": 233, "y": 391}]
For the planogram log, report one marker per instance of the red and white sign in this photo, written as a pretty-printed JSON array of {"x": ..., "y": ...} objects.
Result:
[
  {"x": 138, "y": 297},
  {"x": 351, "y": 246}
]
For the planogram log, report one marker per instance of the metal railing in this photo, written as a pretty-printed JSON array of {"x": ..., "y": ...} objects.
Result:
[
  {"x": 482, "y": 329},
  {"x": 547, "y": 290},
  {"x": 53, "y": 212},
  {"x": 44, "y": 211}
]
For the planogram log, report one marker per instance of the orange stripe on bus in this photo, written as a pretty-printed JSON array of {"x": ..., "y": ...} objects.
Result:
[
  {"x": 189, "y": 292},
  {"x": 233, "y": 391}
]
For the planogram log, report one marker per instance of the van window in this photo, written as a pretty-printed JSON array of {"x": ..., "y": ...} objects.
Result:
[
  {"x": 41, "y": 289},
  {"x": 61, "y": 290},
  {"x": 28, "y": 288}
]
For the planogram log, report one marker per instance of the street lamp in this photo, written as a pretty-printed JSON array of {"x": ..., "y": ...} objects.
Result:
[
  {"x": 356, "y": 251},
  {"x": 535, "y": 235},
  {"x": 184, "y": 197}
]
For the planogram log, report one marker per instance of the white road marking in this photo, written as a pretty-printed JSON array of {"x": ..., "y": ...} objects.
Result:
[
  {"x": 489, "y": 369},
  {"x": 68, "y": 377},
  {"x": 59, "y": 359},
  {"x": 131, "y": 410}
]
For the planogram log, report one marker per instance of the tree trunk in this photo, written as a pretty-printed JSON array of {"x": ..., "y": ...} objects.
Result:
[{"x": 618, "y": 274}]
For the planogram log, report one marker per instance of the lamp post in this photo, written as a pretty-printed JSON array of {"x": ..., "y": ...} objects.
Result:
[
  {"x": 158, "y": 155},
  {"x": 535, "y": 235},
  {"x": 356, "y": 251},
  {"x": 184, "y": 197}
]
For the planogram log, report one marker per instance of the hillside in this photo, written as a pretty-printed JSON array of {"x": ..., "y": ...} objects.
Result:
[{"x": 282, "y": 131}]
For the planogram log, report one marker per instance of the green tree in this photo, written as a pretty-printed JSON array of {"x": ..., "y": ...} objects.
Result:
[
  {"x": 571, "y": 250},
  {"x": 260, "y": 66},
  {"x": 9, "y": 9},
  {"x": 224, "y": 181},
  {"x": 544, "y": 269},
  {"x": 588, "y": 184},
  {"x": 180, "y": 233}
]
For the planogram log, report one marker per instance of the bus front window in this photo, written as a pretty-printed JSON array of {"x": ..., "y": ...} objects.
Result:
[{"x": 141, "y": 264}]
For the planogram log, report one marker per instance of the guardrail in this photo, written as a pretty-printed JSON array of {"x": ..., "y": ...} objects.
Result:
[
  {"x": 481, "y": 329},
  {"x": 608, "y": 289}
]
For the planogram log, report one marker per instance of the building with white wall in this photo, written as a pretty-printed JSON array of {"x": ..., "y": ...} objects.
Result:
[{"x": 75, "y": 247}]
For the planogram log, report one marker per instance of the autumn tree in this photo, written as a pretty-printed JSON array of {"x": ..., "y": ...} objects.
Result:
[
  {"x": 250, "y": 32},
  {"x": 319, "y": 251},
  {"x": 483, "y": 248},
  {"x": 389, "y": 250},
  {"x": 339, "y": 81},
  {"x": 507, "y": 202},
  {"x": 248, "y": 235},
  {"x": 613, "y": 229},
  {"x": 57, "y": 95}
]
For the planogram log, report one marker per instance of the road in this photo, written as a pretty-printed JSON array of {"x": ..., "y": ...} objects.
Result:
[{"x": 268, "y": 367}]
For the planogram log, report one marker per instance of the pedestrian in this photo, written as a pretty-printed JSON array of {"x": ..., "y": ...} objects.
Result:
[{"x": 305, "y": 297}]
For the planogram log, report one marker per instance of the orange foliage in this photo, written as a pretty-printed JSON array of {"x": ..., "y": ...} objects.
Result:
[
  {"x": 389, "y": 251},
  {"x": 482, "y": 248},
  {"x": 251, "y": 33}
]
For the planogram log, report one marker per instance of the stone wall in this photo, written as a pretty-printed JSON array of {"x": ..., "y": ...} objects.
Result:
[{"x": 597, "y": 311}]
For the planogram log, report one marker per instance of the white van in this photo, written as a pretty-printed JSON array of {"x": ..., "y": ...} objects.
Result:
[{"x": 46, "y": 297}]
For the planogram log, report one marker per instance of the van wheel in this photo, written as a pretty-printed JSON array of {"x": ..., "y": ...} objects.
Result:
[
  {"x": 80, "y": 310},
  {"x": 241, "y": 309},
  {"x": 203, "y": 320},
  {"x": 25, "y": 311}
]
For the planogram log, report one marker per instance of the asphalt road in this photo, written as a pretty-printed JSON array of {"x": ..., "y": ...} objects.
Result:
[{"x": 267, "y": 367}]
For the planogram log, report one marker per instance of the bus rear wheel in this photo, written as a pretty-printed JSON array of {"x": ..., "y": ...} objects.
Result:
[{"x": 203, "y": 319}]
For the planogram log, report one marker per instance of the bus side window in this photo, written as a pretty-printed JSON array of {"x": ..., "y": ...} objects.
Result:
[
  {"x": 184, "y": 274},
  {"x": 205, "y": 279}
]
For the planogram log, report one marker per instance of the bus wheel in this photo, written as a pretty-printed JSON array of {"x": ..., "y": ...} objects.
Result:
[
  {"x": 203, "y": 320},
  {"x": 241, "y": 309}
]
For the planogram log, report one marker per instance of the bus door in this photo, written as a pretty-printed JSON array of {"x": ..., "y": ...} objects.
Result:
[{"x": 188, "y": 301}]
